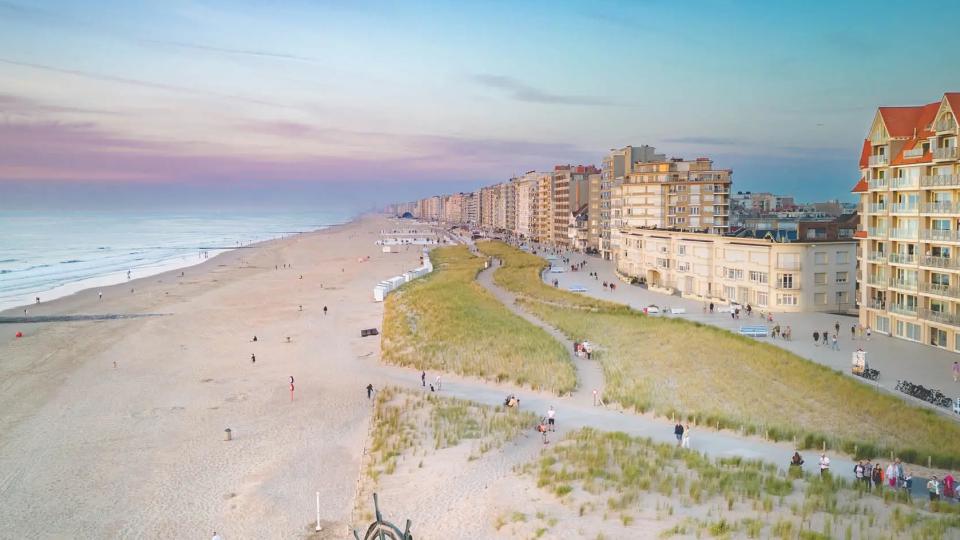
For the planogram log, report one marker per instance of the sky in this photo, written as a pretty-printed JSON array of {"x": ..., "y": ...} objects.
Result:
[{"x": 119, "y": 103}]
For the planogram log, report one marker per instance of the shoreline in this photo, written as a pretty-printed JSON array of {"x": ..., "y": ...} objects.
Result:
[{"x": 171, "y": 266}]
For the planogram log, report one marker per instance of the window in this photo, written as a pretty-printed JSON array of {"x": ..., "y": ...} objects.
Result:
[
  {"x": 733, "y": 273},
  {"x": 758, "y": 277},
  {"x": 785, "y": 281},
  {"x": 820, "y": 299},
  {"x": 788, "y": 261},
  {"x": 938, "y": 337},
  {"x": 695, "y": 210},
  {"x": 681, "y": 249},
  {"x": 786, "y": 299},
  {"x": 729, "y": 293},
  {"x": 842, "y": 297},
  {"x": 883, "y": 325},
  {"x": 941, "y": 280},
  {"x": 820, "y": 257},
  {"x": 762, "y": 300},
  {"x": 908, "y": 330},
  {"x": 843, "y": 257},
  {"x": 841, "y": 277},
  {"x": 820, "y": 278}
]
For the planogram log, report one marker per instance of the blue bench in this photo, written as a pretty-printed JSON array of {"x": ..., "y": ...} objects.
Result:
[{"x": 753, "y": 331}]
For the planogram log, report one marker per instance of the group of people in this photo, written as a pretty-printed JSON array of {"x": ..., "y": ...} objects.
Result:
[
  {"x": 547, "y": 423},
  {"x": 874, "y": 476},
  {"x": 682, "y": 433},
  {"x": 784, "y": 333},
  {"x": 611, "y": 286},
  {"x": 423, "y": 382}
]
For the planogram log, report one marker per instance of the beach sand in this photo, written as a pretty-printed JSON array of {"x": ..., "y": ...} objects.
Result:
[{"x": 89, "y": 450}]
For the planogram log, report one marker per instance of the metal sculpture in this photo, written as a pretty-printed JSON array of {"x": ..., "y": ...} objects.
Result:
[{"x": 383, "y": 530}]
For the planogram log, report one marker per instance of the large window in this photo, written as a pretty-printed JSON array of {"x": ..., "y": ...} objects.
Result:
[
  {"x": 786, "y": 299},
  {"x": 908, "y": 330},
  {"x": 820, "y": 298},
  {"x": 758, "y": 277},
  {"x": 842, "y": 277},
  {"x": 785, "y": 281},
  {"x": 883, "y": 325},
  {"x": 843, "y": 257},
  {"x": 938, "y": 337},
  {"x": 820, "y": 278},
  {"x": 762, "y": 299},
  {"x": 820, "y": 257}
]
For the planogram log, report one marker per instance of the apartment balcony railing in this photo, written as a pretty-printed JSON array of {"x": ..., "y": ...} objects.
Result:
[
  {"x": 787, "y": 285},
  {"x": 940, "y": 290},
  {"x": 876, "y": 304},
  {"x": 903, "y": 234},
  {"x": 878, "y": 183},
  {"x": 878, "y": 208},
  {"x": 876, "y": 256},
  {"x": 904, "y": 208},
  {"x": 943, "y": 180},
  {"x": 913, "y": 153},
  {"x": 940, "y": 262},
  {"x": 905, "y": 284},
  {"x": 878, "y": 281},
  {"x": 946, "y": 125},
  {"x": 902, "y": 258},
  {"x": 878, "y": 160},
  {"x": 940, "y": 317},
  {"x": 940, "y": 236},
  {"x": 786, "y": 265},
  {"x": 877, "y": 231},
  {"x": 945, "y": 207},
  {"x": 904, "y": 309},
  {"x": 904, "y": 183},
  {"x": 945, "y": 153}
]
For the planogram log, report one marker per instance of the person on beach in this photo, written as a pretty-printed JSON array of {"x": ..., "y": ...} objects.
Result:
[
  {"x": 253, "y": 359},
  {"x": 38, "y": 299},
  {"x": 254, "y": 339},
  {"x": 423, "y": 379},
  {"x": 678, "y": 433},
  {"x": 824, "y": 465},
  {"x": 685, "y": 441},
  {"x": 551, "y": 414},
  {"x": 369, "y": 391},
  {"x": 324, "y": 310},
  {"x": 100, "y": 295},
  {"x": 216, "y": 536},
  {"x": 301, "y": 307}
]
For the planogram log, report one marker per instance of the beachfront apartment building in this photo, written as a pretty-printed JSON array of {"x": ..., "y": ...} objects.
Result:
[
  {"x": 571, "y": 187},
  {"x": 615, "y": 166},
  {"x": 910, "y": 226},
  {"x": 542, "y": 224},
  {"x": 525, "y": 194},
  {"x": 453, "y": 208},
  {"x": 768, "y": 275},
  {"x": 593, "y": 211},
  {"x": 471, "y": 208},
  {"x": 508, "y": 195},
  {"x": 487, "y": 203},
  {"x": 430, "y": 208}
]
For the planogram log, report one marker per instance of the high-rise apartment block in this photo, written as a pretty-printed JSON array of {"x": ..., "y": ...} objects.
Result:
[
  {"x": 615, "y": 167},
  {"x": 910, "y": 236}
]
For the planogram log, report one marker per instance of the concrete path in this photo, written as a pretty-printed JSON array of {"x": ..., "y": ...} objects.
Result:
[
  {"x": 589, "y": 372},
  {"x": 895, "y": 358}
]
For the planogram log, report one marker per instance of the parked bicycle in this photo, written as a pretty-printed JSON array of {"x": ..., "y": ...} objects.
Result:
[{"x": 929, "y": 395}]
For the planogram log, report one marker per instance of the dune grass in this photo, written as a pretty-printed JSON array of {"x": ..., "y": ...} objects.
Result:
[
  {"x": 622, "y": 476},
  {"x": 448, "y": 322},
  {"x": 709, "y": 376}
]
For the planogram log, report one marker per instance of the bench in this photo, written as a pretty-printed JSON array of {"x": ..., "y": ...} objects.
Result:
[{"x": 753, "y": 331}]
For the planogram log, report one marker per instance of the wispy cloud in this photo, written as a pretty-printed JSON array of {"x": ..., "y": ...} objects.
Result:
[
  {"x": 521, "y": 91},
  {"x": 232, "y": 51},
  {"x": 712, "y": 141},
  {"x": 22, "y": 106}
]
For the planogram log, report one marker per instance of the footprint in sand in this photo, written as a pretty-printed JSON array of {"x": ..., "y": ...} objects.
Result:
[
  {"x": 238, "y": 397},
  {"x": 206, "y": 380}
]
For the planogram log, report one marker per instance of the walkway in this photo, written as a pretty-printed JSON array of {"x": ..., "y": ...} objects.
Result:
[{"x": 895, "y": 358}]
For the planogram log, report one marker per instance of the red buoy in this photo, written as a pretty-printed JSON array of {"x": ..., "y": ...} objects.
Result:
[{"x": 19, "y": 334}]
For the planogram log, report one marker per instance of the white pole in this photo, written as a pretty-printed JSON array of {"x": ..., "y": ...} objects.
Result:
[{"x": 319, "y": 528}]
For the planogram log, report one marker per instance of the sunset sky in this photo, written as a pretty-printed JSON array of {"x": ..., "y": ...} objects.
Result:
[{"x": 394, "y": 100}]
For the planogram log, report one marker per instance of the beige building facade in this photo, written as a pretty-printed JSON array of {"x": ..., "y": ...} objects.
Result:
[
  {"x": 910, "y": 226},
  {"x": 779, "y": 277}
]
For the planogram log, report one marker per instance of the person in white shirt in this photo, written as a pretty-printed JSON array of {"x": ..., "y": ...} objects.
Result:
[
  {"x": 824, "y": 465},
  {"x": 685, "y": 441},
  {"x": 550, "y": 418},
  {"x": 216, "y": 536}
]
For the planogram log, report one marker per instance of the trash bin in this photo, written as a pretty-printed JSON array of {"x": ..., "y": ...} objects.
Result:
[{"x": 228, "y": 435}]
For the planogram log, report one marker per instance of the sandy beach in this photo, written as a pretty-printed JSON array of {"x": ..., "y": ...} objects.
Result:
[{"x": 115, "y": 428}]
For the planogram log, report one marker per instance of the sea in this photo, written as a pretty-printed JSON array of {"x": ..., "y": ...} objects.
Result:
[{"x": 54, "y": 254}]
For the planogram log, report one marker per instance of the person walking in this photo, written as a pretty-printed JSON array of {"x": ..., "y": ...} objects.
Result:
[
  {"x": 324, "y": 310},
  {"x": 858, "y": 471},
  {"x": 908, "y": 484},
  {"x": 711, "y": 308},
  {"x": 438, "y": 383},
  {"x": 253, "y": 359},
  {"x": 836, "y": 327},
  {"x": 788, "y": 334},
  {"x": 956, "y": 371},
  {"x": 853, "y": 332},
  {"x": 826, "y": 337},
  {"x": 891, "y": 476},
  {"x": 868, "y": 475},
  {"x": 369, "y": 391},
  {"x": 685, "y": 441},
  {"x": 423, "y": 379},
  {"x": 678, "y": 432},
  {"x": 824, "y": 465},
  {"x": 869, "y": 333},
  {"x": 877, "y": 476},
  {"x": 551, "y": 418},
  {"x": 816, "y": 338},
  {"x": 834, "y": 343},
  {"x": 933, "y": 488}
]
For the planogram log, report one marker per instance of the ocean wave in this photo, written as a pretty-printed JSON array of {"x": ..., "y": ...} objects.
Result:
[
  {"x": 5, "y": 271},
  {"x": 71, "y": 261},
  {"x": 8, "y": 260}
]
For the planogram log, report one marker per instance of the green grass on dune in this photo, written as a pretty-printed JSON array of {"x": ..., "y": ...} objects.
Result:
[
  {"x": 448, "y": 322},
  {"x": 713, "y": 377}
]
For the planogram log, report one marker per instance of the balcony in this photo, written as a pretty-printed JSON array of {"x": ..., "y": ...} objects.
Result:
[
  {"x": 878, "y": 281},
  {"x": 873, "y": 303},
  {"x": 945, "y": 153},
  {"x": 878, "y": 183},
  {"x": 904, "y": 183},
  {"x": 903, "y": 284},
  {"x": 788, "y": 265},
  {"x": 940, "y": 262},
  {"x": 903, "y": 234},
  {"x": 878, "y": 160},
  {"x": 787, "y": 285},
  {"x": 902, "y": 258},
  {"x": 940, "y": 236},
  {"x": 945, "y": 180},
  {"x": 940, "y": 317},
  {"x": 877, "y": 257},
  {"x": 904, "y": 309},
  {"x": 947, "y": 124},
  {"x": 940, "y": 290},
  {"x": 940, "y": 208},
  {"x": 913, "y": 153},
  {"x": 877, "y": 208},
  {"x": 904, "y": 208},
  {"x": 879, "y": 232}
]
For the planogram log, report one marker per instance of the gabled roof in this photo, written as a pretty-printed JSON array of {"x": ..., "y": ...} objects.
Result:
[
  {"x": 861, "y": 186},
  {"x": 865, "y": 154},
  {"x": 953, "y": 98},
  {"x": 906, "y": 121}
]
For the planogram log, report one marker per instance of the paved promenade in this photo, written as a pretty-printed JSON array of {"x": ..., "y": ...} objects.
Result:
[{"x": 895, "y": 358}]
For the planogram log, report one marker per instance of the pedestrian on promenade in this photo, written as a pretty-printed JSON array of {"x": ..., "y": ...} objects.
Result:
[
  {"x": 776, "y": 331},
  {"x": 685, "y": 441},
  {"x": 891, "y": 476},
  {"x": 853, "y": 332},
  {"x": 816, "y": 338},
  {"x": 711, "y": 308},
  {"x": 836, "y": 327},
  {"x": 551, "y": 418},
  {"x": 868, "y": 474},
  {"x": 877, "y": 476},
  {"x": 423, "y": 379},
  {"x": 826, "y": 337},
  {"x": 836, "y": 345},
  {"x": 438, "y": 383},
  {"x": 369, "y": 391},
  {"x": 858, "y": 471},
  {"x": 788, "y": 334},
  {"x": 824, "y": 465},
  {"x": 869, "y": 333},
  {"x": 956, "y": 371},
  {"x": 678, "y": 432},
  {"x": 933, "y": 487},
  {"x": 253, "y": 359}
]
